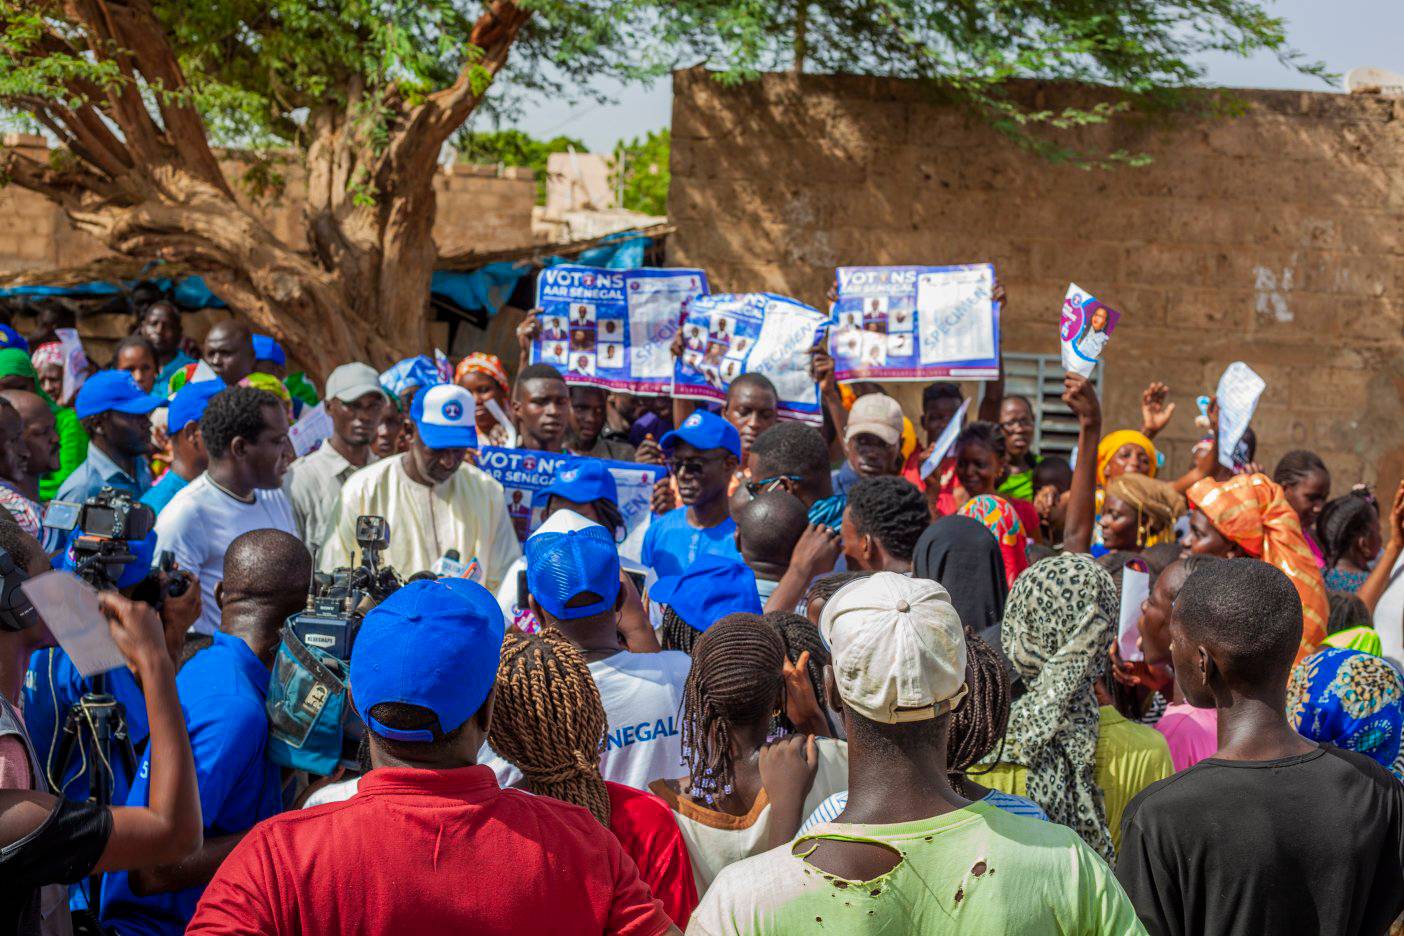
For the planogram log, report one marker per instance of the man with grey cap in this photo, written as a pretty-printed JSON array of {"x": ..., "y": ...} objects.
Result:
[
  {"x": 355, "y": 402},
  {"x": 872, "y": 441},
  {"x": 908, "y": 854}
]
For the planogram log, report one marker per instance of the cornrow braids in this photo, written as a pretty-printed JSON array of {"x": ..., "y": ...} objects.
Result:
[
  {"x": 675, "y": 633},
  {"x": 548, "y": 719},
  {"x": 799, "y": 635},
  {"x": 979, "y": 722},
  {"x": 1342, "y": 521},
  {"x": 826, "y": 586},
  {"x": 736, "y": 679}
]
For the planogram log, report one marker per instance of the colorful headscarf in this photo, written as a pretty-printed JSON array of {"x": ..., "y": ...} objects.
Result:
[
  {"x": 489, "y": 365},
  {"x": 1350, "y": 699},
  {"x": 1112, "y": 443},
  {"x": 269, "y": 384},
  {"x": 998, "y": 516},
  {"x": 1058, "y": 623},
  {"x": 1252, "y": 511},
  {"x": 47, "y": 354}
]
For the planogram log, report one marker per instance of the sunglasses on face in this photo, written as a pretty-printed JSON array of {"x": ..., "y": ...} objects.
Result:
[{"x": 691, "y": 465}]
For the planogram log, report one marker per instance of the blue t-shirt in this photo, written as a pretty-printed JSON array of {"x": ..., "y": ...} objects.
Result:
[
  {"x": 162, "y": 491},
  {"x": 672, "y": 544},
  {"x": 52, "y": 685},
  {"x": 222, "y": 691}
]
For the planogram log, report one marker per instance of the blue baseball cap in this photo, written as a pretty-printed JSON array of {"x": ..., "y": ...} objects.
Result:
[
  {"x": 704, "y": 430},
  {"x": 434, "y": 644},
  {"x": 445, "y": 416},
  {"x": 267, "y": 348},
  {"x": 113, "y": 391},
  {"x": 711, "y": 588},
  {"x": 9, "y": 338},
  {"x": 561, "y": 566},
  {"x": 189, "y": 403},
  {"x": 580, "y": 480}
]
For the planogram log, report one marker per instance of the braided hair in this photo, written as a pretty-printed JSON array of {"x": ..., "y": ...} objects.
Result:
[
  {"x": 799, "y": 635},
  {"x": 1343, "y": 521},
  {"x": 979, "y": 722},
  {"x": 675, "y": 633},
  {"x": 548, "y": 719},
  {"x": 1296, "y": 466},
  {"x": 736, "y": 679}
]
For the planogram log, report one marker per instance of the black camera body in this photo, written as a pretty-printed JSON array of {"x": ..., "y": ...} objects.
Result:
[{"x": 107, "y": 524}]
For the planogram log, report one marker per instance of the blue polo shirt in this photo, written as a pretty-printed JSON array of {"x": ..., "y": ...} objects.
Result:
[
  {"x": 671, "y": 544},
  {"x": 99, "y": 471},
  {"x": 222, "y": 692},
  {"x": 52, "y": 684},
  {"x": 162, "y": 491}
]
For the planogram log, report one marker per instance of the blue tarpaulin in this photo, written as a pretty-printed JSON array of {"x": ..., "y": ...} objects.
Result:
[{"x": 190, "y": 291}]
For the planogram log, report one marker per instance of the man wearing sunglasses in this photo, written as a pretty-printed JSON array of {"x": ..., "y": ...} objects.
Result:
[{"x": 702, "y": 455}]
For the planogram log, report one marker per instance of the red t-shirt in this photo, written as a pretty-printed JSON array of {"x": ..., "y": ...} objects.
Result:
[
  {"x": 430, "y": 852},
  {"x": 645, "y": 826}
]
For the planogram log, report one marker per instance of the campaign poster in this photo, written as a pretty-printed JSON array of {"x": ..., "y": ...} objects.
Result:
[
  {"x": 1239, "y": 390},
  {"x": 725, "y": 336},
  {"x": 1085, "y": 329},
  {"x": 613, "y": 328},
  {"x": 915, "y": 323},
  {"x": 523, "y": 472}
]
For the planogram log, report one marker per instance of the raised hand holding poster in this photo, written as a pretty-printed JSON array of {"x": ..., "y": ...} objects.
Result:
[
  {"x": 1239, "y": 390},
  {"x": 725, "y": 336},
  {"x": 612, "y": 328},
  {"x": 1084, "y": 330},
  {"x": 523, "y": 472},
  {"x": 915, "y": 323}
]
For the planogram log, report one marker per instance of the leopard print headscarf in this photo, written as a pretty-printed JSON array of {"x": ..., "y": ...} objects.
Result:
[{"x": 1058, "y": 624}]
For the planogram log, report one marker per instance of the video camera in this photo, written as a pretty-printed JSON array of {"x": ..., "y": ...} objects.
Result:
[
  {"x": 312, "y": 725},
  {"x": 334, "y": 602},
  {"x": 107, "y": 524}
]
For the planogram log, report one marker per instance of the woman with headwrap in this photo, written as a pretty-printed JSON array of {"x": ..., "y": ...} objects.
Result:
[
  {"x": 1249, "y": 515},
  {"x": 959, "y": 553},
  {"x": 1138, "y": 511},
  {"x": 484, "y": 376},
  {"x": 998, "y": 516},
  {"x": 1351, "y": 699},
  {"x": 17, "y": 373},
  {"x": 1082, "y": 763}
]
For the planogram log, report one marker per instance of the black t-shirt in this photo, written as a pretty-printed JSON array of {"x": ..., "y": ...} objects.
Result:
[
  {"x": 1305, "y": 844},
  {"x": 63, "y": 850}
]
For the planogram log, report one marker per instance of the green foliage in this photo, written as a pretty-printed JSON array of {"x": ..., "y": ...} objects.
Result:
[
  {"x": 641, "y": 165},
  {"x": 514, "y": 148},
  {"x": 258, "y": 68}
]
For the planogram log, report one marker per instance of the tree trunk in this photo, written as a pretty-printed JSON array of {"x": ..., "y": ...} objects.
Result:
[{"x": 358, "y": 289}]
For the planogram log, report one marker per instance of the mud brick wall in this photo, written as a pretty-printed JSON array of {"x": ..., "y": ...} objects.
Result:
[{"x": 1274, "y": 237}]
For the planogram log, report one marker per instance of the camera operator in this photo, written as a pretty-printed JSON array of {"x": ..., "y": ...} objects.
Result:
[
  {"x": 402, "y": 855},
  {"x": 432, "y": 500},
  {"x": 117, "y": 417},
  {"x": 47, "y": 842},
  {"x": 53, "y": 686},
  {"x": 222, "y": 690},
  {"x": 246, "y": 436}
]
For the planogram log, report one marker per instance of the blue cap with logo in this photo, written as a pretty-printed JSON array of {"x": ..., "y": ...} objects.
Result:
[
  {"x": 704, "y": 430},
  {"x": 113, "y": 391},
  {"x": 189, "y": 403},
  {"x": 266, "y": 348},
  {"x": 563, "y": 566},
  {"x": 433, "y": 644},
  {"x": 446, "y": 417},
  {"x": 9, "y": 338},
  {"x": 580, "y": 480},
  {"x": 711, "y": 588}
]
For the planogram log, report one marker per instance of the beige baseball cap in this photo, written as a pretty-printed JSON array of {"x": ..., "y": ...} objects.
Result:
[
  {"x": 898, "y": 648},
  {"x": 877, "y": 414}
]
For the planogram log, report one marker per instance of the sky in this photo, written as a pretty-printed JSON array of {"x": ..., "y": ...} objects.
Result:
[{"x": 1341, "y": 33}]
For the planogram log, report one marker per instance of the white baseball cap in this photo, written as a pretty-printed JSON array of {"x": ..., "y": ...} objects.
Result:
[{"x": 898, "y": 648}]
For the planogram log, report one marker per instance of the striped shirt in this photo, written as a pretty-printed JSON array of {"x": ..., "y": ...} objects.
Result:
[{"x": 829, "y": 810}]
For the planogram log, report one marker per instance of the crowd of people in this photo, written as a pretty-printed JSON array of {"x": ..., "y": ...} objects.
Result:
[{"x": 844, "y": 683}]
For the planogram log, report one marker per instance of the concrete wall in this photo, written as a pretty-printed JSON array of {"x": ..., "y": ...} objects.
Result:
[
  {"x": 479, "y": 208},
  {"x": 1273, "y": 237}
]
